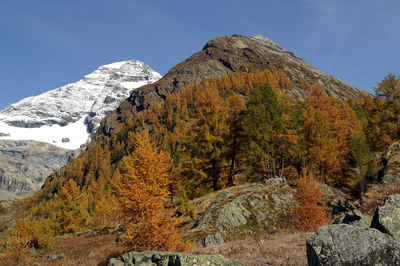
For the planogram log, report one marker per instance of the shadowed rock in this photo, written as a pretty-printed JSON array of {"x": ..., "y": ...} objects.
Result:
[{"x": 391, "y": 162}]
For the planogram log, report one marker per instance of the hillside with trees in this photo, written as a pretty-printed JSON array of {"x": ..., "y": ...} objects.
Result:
[{"x": 238, "y": 129}]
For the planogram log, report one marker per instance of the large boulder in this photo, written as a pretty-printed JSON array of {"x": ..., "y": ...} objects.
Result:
[
  {"x": 387, "y": 217},
  {"x": 343, "y": 244},
  {"x": 241, "y": 210},
  {"x": 170, "y": 259}
]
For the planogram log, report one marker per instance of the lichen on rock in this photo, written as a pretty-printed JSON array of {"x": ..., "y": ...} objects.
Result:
[{"x": 169, "y": 258}]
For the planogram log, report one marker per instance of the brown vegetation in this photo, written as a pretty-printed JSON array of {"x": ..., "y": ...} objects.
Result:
[
  {"x": 309, "y": 215},
  {"x": 376, "y": 197},
  {"x": 280, "y": 248},
  {"x": 77, "y": 249},
  {"x": 16, "y": 251}
]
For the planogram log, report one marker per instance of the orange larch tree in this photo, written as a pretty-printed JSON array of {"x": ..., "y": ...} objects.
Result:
[
  {"x": 309, "y": 215},
  {"x": 141, "y": 196}
]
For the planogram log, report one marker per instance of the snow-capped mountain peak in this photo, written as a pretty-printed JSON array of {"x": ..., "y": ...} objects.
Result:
[{"x": 67, "y": 116}]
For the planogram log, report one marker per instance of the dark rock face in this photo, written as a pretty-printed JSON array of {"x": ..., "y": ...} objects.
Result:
[
  {"x": 219, "y": 57},
  {"x": 344, "y": 244},
  {"x": 387, "y": 217},
  {"x": 172, "y": 259}
]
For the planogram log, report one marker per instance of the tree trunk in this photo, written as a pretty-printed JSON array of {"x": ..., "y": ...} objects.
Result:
[
  {"x": 215, "y": 174},
  {"x": 233, "y": 157}
]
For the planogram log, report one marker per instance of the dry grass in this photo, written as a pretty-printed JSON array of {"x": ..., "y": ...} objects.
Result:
[
  {"x": 285, "y": 247},
  {"x": 282, "y": 248},
  {"x": 376, "y": 197},
  {"x": 77, "y": 248}
]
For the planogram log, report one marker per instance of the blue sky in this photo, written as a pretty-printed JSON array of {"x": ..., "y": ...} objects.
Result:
[{"x": 45, "y": 44}]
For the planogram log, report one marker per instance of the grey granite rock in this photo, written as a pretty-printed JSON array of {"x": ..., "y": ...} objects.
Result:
[
  {"x": 343, "y": 244},
  {"x": 387, "y": 217},
  {"x": 215, "y": 239},
  {"x": 170, "y": 259},
  {"x": 246, "y": 209},
  {"x": 56, "y": 256}
]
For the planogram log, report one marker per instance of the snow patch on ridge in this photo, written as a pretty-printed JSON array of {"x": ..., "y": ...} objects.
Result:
[
  {"x": 115, "y": 65},
  {"x": 76, "y": 133},
  {"x": 74, "y": 111}
]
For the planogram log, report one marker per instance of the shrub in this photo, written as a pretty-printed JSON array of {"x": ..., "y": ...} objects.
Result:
[
  {"x": 17, "y": 251},
  {"x": 309, "y": 215},
  {"x": 37, "y": 233}
]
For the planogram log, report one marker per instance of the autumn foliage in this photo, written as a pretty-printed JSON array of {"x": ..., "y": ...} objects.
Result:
[
  {"x": 142, "y": 195},
  {"x": 309, "y": 214},
  {"x": 208, "y": 133},
  {"x": 17, "y": 251}
]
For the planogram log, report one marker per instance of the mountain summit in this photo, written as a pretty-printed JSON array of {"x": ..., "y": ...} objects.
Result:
[
  {"x": 67, "y": 116},
  {"x": 64, "y": 118},
  {"x": 219, "y": 57}
]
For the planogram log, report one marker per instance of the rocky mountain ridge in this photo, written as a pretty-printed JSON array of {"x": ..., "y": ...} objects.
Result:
[
  {"x": 40, "y": 134},
  {"x": 221, "y": 56},
  {"x": 67, "y": 116}
]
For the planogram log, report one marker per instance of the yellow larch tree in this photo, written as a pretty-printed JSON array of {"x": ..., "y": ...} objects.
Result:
[{"x": 142, "y": 194}]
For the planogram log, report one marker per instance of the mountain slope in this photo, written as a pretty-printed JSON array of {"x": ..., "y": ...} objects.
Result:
[
  {"x": 219, "y": 57},
  {"x": 40, "y": 134},
  {"x": 25, "y": 164},
  {"x": 67, "y": 116}
]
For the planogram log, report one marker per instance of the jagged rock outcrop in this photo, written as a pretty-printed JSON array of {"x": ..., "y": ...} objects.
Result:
[
  {"x": 24, "y": 165},
  {"x": 219, "y": 57},
  {"x": 169, "y": 258},
  {"x": 387, "y": 217},
  {"x": 343, "y": 244},
  {"x": 236, "y": 211},
  {"x": 355, "y": 218}
]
